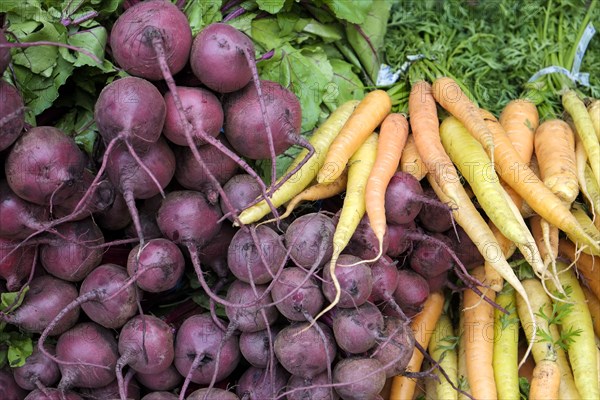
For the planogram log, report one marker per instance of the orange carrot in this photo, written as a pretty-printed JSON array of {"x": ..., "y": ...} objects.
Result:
[
  {"x": 410, "y": 161},
  {"x": 546, "y": 378},
  {"x": 525, "y": 182},
  {"x": 392, "y": 137},
  {"x": 555, "y": 153},
  {"x": 367, "y": 116},
  {"x": 425, "y": 127},
  {"x": 479, "y": 316},
  {"x": 520, "y": 119},
  {"x": 587, "y": 265},
  {"x": 449, "y": 95},
  {"x": 422, "y": 326}
]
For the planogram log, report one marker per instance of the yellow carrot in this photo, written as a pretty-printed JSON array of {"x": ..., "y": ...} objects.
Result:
[
  {"x": 588, "y": 266},
  {"x": 321, "y": 139},
  {"x": 476, "y": 167},
  {"x": 585, "y": 221},
  {"x": 315, "y": 192},
  {"x": 369, "y": 113},
  {"x": 585, "y": 129},
  {"x": 542, "y": 304},
  {"x": 594, "y": 306},
  {"x": 467, "y": 216},
  {"x": 442, "y": 348},
  {"x": 594, "y": 111},
  {"x": 354, "y": 207},
  {"x": 581, "y": 350},
  {"x": 506, "y": 345}
]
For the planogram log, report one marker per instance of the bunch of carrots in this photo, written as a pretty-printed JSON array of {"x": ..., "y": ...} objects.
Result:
[{"x": 527, "y": 177}]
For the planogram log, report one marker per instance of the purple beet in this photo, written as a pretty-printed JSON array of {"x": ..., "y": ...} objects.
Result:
[
  {"x": 259, "y": 384},
  {"x": 16, "y": 266},
  {"x": 167, "y": 379},
  {"x": 12, "y": 113},
  {"x": 38, "y": 371},
  {"x": 9, "y": 390},
  {"x": 356, "y": 282},
  {"x": 157, "y": 266}
]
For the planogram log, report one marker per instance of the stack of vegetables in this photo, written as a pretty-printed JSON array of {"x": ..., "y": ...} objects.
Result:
[{"x": 237, "y": 200}]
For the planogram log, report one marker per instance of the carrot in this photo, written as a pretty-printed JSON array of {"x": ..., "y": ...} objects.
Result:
[
  {"x": 546, "y": 378},
  {"x": 520, "y": 119},
  {"x": 422, "y": 325},
  {"x": 479, "y": 317},
  {"x": 426, "y": 130},
  {"x": 467, "y": 216},
  {"x": 410, "y": 161},
  {"x": 506, "y": 345},
  {"x": 585, "y": 221},
  {"x": 477, "y": 169},
  {"x": 546, "y": 239},
  {"x": 587, "y": 265},
  {"x": 526, "y": 183},
  {"x": 442, "y": 348},
  {"x": 555, "y": 153},
  {"x": 585, "y": 129},
  {"x": 463, "y": 383},
  {"x": 594, "y": 111},
  {"x": 367, "y": 116},
  {"x": 542, "y": 304},
  {"x": 507, "y": 247},
  {"x": 593, "y": 191},
  {"x": 392, "y": 137},
  {"x": 582, "y": 348},
  {"x": 315, "y": 192},
  {"x": 321, "y": 139},
  {"x": 354, "y": 207},
  {"x": 449, "y": 95},
  {"x": 594, "y": 306}
]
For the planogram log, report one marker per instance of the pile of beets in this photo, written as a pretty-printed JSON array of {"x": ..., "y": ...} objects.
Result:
[{"x": 98, "y": 245}]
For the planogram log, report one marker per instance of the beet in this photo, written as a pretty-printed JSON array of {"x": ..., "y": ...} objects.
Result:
[
  {"x": 356, "y": 330},
  {"x": 363, "y": 243},
  {"x": 146, "y": 345},
  {"x": 38, "y": 370},
  {"x": 396, "y": 351},
  {"x": 403, "y": 199},
  {"x": 160, "y": 396},
  {"x": 385, "y": 279},
  {"x": 15, "y": 266},
  {"x": 257, "y": 261},
  {"x": 196, "y": 345},
  {"x": 241, "y": 190},
  {"x": 111, "y": 391},
  {"x": 177, "y": 212},
  {"x": 73, "y": 256},
  {"x": 356, "y": 282},
  {"x": 411, "y": 292},
  {"x": 248, "y": 318},
  {"x": 19, "y": 218},
  {"x": 157, "y": 267},
  {"x": 214, "y": 253},
  {"x": 399, "y": 240},
  {"x": 4, "y": 53},
  {"x": 258, "y": 384},
  {"x": 167, "y": 379},
  {"x": 44, "y": 165},
  {"x": 433, "y": 217},
  {"x": 202, "y": 109},
  {"x": 12, "y": 113},
  {"x": 245, "y": 126},
  {"x": 294, "y": 344},
  {"x": 88, "y": 343},
  {"x": 53, "y": 394},
  {"x": 134, "y": 34},
  {"x": 309, "y": 239},
  {"x": 114, "y": 217},
  {"x": 219, "y": 58},
  {"x": 9, "y": 390},
  {"x": 358, "y": 378},
  {"x": 46, "y": 298},
  {"x": 191, "y": 175},
  {"x": 98, "y": 299},
  {"x": 212, "y": 394},
  {"x": 299, "y": 388},
  {"x": 256, "y": 347},
  {"x": 429, "y": 258},
  {"x": 297, "y": 294}
]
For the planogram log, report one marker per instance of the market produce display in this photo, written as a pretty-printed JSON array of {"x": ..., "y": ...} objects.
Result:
[{"x": 282, "y": 199}]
